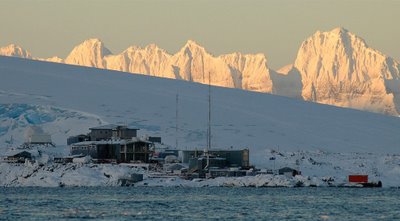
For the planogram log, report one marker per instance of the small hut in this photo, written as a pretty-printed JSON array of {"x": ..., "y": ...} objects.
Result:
[
  {"x": 19, "y": 157},
  {"x": 287, "y": 171}
]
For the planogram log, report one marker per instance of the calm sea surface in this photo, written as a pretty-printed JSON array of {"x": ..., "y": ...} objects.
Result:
[{"x": 150, "y": 203}]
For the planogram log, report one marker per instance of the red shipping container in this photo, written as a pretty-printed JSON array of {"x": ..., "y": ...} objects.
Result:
[{"x": 358, "y": 178}]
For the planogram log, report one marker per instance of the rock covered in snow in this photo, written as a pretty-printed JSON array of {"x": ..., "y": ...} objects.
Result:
[
  {"x": 90, "y": 53},
  {"x": 15, "y": 51},
  {"x": 338, "y": 68}
]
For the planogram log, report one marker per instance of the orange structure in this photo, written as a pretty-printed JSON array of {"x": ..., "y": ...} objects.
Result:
[{"x": 358, "y": 178}]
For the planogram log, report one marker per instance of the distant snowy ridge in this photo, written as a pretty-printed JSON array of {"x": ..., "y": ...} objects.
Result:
[
  {"x": 191, "y": 63},
  {"x": 15, "y": 51},
  {"x": 335, "y": 67}
]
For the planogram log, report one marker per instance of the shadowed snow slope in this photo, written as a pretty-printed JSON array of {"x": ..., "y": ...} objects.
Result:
[
  {"x": 59, "y": 123},
  {"x": 239, "y": 118}
]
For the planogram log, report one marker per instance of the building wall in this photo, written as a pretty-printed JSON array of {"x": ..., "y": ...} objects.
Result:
[
  {"x": 238, "y": 158},
  {"x": 107, "y": 134},
  {"x": 124, "y": 133},
  {"x": 137, "y": 151},
  {"x": 108, "y": 151},
  {"x": 100, "y": 134},
  {"x": 86, "y": 150},
  {"x": 40, "y": 138},
  {"x": 77, "y": 139},
  {"x": 132, "y": 151}
]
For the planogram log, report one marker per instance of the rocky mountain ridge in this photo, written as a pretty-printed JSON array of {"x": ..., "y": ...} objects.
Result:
[{"x": 336, "y": 68}]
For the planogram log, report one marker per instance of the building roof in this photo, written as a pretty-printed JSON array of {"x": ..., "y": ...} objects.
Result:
[
  {"x": 214, "y": 150},
  {"x": 112, "y": 127},
  {"x": 121, "y": 142},
  {"x": 19, "y": 151},
  {"x": 286, "y": 169}
]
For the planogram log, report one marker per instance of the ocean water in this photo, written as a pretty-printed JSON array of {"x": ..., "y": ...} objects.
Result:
[{"x": 157, "y": 203}]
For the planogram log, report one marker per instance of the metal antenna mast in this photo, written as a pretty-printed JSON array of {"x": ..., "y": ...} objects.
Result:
[
  {"x": 176, "y": 126},
  {"x": 209, "y": 111},
  {"x": 209, "y": 124}
]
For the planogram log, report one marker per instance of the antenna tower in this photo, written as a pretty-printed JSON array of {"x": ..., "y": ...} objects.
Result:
[
  {"x": 209, "y": 112},
  {"x": 176, "y": 126}
]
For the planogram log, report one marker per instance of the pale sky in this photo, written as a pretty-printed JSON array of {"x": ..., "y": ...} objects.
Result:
[{"x": 275, "y": 28}]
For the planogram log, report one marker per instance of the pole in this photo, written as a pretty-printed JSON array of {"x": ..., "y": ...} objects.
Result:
[
  {"x": 209, "y": 110},
  {"x": 176, "y": 126},
  {"x": 209, "y": 122}
]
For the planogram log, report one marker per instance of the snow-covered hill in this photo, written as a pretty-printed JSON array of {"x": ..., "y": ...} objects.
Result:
[
  {"x": 64, "y": 100},
  {"x": 335, "y": 67},
  {"x": 239, "y": 118}
]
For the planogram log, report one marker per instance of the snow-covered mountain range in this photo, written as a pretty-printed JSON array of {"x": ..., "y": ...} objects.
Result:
[{"x": 335, "y": 67}]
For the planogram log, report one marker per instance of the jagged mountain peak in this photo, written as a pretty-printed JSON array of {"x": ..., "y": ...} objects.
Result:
[
  {"x": 54, "y": 59},
  {"x": 339, "y": 30},
  {"x": 238, "y": 54},
  {"x": 152, "y": 46},
  {"x": 338, "y": 68},
  {"x": 93, "y": 43},
  {"x": 337, "y": 51},
  {"x": 132, "y": 48},
  {"x": 338, "y": 36},
  {"x": 192, "y": 45},
  {"x": 285, "y": 69},
  {"x": 12, "y": 46},
  {"x": 89, "y": 53},
  {"x": 15, "y": 51},
  {"x": 258, "y": 56}
]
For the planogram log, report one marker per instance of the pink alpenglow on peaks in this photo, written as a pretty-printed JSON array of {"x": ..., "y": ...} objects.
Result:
[
  {"x": 338, "y": 68},
  {"x": 13, "y": 50},
  {"x": 334, "y": 67},
  {"x": 90, "y": 53}
]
